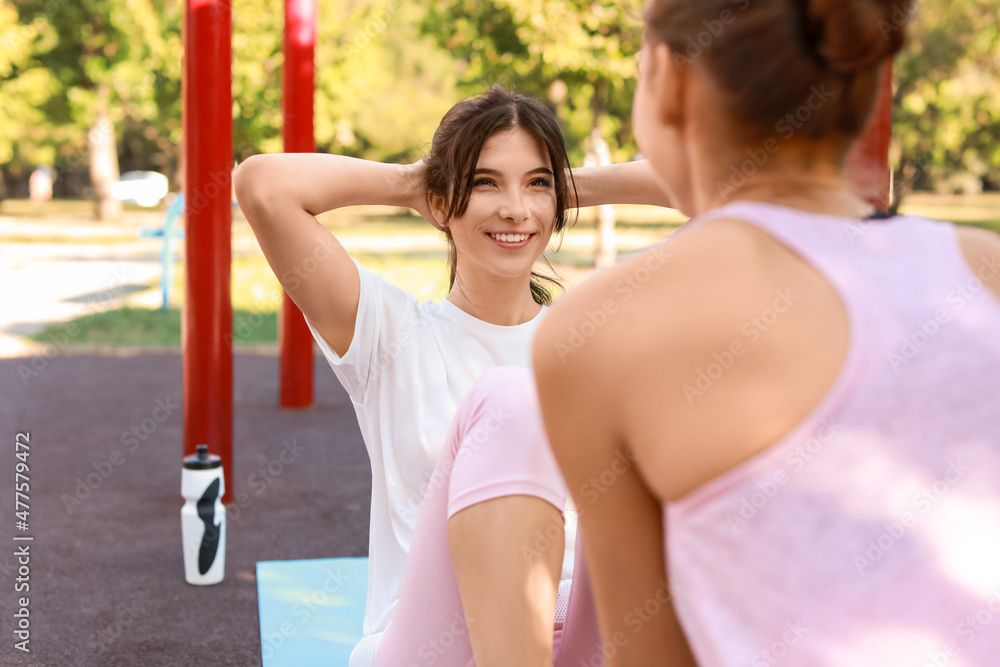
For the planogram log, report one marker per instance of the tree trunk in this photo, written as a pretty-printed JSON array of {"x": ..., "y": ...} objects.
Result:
[
  {"x": 902, "y": 183},
  {"x": 599, "y": 154},
  {"x": 103, "y": 161}
]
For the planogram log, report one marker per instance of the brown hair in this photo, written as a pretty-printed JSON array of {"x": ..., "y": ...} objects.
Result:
[
  {"x": 455, "y": 152},
  {"x": 770, "y": 56}
]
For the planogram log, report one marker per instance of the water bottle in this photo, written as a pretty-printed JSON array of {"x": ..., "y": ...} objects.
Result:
[{"x": 203, "y": 518}]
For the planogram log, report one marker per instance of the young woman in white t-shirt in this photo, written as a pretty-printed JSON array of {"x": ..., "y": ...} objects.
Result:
[{"x": 496, "y": 182}]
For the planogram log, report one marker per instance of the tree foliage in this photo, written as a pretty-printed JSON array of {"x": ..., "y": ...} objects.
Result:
[
  {"x": 387, "y": 70},
  {"x": 92, "y": 67},
  {"x": 946, "y": 121},
  {"x": 24, "y": 88},
  {"x": 577, "y": 55}
]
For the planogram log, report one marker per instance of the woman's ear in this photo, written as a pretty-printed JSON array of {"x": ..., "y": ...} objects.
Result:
[
  {"x": 668, "y": 76},
  {"x": 438, "y": 207}
]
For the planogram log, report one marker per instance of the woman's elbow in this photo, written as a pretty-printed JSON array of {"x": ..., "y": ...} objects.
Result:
[{"x": 249, "y": 181}]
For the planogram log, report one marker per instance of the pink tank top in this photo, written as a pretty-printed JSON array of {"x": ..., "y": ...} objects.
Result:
[{"x": 869, "y": 534}]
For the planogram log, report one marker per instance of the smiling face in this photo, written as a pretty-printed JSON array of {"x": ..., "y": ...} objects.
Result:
[{"x": 511, "y": 210}]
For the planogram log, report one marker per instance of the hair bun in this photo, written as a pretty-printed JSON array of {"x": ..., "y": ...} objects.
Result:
[{"x": 855, "y": 35}]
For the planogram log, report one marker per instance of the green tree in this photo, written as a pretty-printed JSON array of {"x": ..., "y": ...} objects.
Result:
[
  {"x": 946, "y": 120},
  {"x": 24, "y": 87},
  {"x": 386, "y": 85},
  {"x": 105, "y": 59},
  {"x": 257, "y": 58},
  {"x": 381, "y": 87},
  {"x": 577, "y": 55}
]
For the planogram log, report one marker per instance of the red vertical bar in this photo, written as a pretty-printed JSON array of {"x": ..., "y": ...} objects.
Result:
[
  {"x": 297, "y": 98},
  {"x": 207, "y": 317},
  {"x": 868, "y": 162}
]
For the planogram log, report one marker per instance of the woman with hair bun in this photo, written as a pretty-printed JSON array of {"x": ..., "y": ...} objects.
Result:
[
  {"x": 497, "y": 183},
  {"x": 794, "y": 422}
]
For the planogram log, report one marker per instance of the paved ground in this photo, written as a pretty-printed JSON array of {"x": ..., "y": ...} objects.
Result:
[
  {"x": 85, "y": 268},
  {"x": 106, "y": 574}
]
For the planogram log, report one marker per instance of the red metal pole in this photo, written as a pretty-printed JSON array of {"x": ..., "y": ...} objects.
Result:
[
  {"x": 297, "y": 98},
  {"x": 207, "y": 317},
  {"x": 868, "y": 162}
]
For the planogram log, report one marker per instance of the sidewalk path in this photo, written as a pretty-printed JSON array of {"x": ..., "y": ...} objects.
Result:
[{"x": 52, "y": 282}]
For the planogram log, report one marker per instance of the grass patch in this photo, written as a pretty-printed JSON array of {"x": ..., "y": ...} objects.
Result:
[
  {"x": 420, "y": 270},
  {"x": 121, "y": 326},
  {"x": 255, "y": 288},
  {"x": 981, "y": 211},
  {"x": 145, "y": 326},
  {"x": 51, "y": 239},
  {"x": 24, "y": 208}
]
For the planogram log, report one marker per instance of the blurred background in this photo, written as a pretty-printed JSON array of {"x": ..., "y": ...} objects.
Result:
[{"x": 90, "y": 139}]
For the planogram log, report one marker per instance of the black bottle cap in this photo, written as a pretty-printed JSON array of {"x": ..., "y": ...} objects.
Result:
[{"x": 202, "y": 460}]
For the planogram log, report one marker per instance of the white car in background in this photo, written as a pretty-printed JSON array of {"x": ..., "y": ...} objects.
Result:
[{"x": 143, "y": 188}]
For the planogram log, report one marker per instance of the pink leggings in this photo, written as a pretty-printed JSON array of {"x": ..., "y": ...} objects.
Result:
[{"x": 496, "y": 447}]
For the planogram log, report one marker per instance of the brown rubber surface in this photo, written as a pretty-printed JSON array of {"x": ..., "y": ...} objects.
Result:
[{"x": 106, "y": 577}]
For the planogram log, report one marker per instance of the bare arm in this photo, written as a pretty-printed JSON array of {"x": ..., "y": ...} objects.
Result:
[
  {"x": 621, "y": 521},
  {"x": 625, "y": 183},
  {"x": 281, "y": 194}
]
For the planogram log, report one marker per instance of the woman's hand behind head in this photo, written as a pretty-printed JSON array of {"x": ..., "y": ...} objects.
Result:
[{"x": 416, "y": 179}]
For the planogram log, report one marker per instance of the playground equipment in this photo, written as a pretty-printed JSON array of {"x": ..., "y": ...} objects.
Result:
[
  {"x": 868, "y": 162},
  {"x": 297, "y": 133},
  {"x": 208, "y": 153},
  {"x": 207, "y": 317},
  {"x": 168, "y": 233}
]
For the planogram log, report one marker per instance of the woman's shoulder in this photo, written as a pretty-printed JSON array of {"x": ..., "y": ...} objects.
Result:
[
  {"x": 712, "y": 340},
  {"x": 683, "y": 292}
]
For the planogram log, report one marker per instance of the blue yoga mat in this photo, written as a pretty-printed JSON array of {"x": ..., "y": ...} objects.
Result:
[{"x": 311, "y": 611}]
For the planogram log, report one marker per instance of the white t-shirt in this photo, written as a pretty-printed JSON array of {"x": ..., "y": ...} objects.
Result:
[{"x": 408, "y": 367}]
